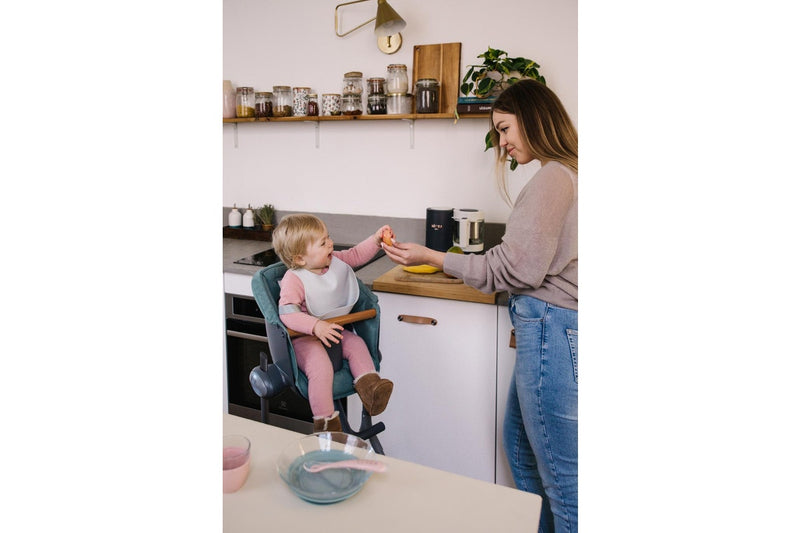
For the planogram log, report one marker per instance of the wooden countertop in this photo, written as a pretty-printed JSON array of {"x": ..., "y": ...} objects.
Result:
[{"x": 392, "y": 281}]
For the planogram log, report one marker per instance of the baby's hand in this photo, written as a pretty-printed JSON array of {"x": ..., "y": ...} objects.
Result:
[
  {"x": 385, "y": 235},
  {"x": 327, "y": 332}
]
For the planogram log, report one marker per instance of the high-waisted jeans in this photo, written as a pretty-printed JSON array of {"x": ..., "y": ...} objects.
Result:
[{"x": 540, "y": 431}]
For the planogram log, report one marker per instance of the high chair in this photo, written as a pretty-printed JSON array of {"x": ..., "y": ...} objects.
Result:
[{"x": 269, "y": 379}]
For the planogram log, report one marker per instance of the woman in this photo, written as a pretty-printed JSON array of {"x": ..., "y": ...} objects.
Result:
[{"x": 537, "y": 264}]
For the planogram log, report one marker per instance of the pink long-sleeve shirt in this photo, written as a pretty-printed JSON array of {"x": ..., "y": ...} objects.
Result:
[{"x": 294, "y": 293}]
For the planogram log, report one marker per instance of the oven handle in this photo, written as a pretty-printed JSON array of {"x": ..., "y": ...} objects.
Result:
[{"x": 246, "y": 336}]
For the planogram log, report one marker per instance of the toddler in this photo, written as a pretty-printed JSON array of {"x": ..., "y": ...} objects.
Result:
[{"x": 321, "y": 284}]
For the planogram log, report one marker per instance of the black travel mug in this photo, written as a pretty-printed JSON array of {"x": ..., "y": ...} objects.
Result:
[{"x": 439, "y": 228}]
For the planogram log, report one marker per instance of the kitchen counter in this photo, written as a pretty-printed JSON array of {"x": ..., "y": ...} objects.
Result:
[{"x": 407, "y": 497}]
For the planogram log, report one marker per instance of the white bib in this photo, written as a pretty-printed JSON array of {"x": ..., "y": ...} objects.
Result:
[{"x": 331, "y": 294}]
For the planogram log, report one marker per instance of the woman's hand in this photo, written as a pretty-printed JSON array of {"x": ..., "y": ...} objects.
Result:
[
  {"x": 410, "y": 254},
  {"x": 327, "y": 332}
]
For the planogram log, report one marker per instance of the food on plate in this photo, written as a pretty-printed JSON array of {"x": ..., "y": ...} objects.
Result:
[
  {"x": 388, "y": 237},
  {"x": 422, "y": 269}
]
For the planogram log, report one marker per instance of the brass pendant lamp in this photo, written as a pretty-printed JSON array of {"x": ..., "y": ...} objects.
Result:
[{"x": 388, "y": 25}]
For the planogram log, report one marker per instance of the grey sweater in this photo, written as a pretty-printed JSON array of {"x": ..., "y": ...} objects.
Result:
[{"x": 538, "y": 255}]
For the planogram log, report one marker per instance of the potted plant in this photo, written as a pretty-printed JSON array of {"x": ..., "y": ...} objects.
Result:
[
  {"x": 497, "y": 72},
  {"x": 265, "y": 215}
]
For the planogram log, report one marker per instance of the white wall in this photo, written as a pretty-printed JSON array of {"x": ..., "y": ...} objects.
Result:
[{"x": 368, "y": 168}]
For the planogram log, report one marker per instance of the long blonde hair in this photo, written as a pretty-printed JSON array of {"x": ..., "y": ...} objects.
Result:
[{"x": 544, "y": 123}]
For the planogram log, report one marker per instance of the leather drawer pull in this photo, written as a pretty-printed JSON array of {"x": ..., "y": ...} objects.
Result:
[
  {"x": 417, "y": 319},
  {"x": 512, "y": 342}
]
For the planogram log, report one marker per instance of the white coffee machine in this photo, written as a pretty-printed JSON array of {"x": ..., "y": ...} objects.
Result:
[{"x": 468, "y": 230}]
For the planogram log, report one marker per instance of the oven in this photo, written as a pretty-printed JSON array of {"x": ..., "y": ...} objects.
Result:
[{"x": 245, "y": 339}]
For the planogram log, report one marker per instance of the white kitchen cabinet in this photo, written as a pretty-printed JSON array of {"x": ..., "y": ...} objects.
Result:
[
  {"x": 443, "y": 408},
  {"x": 506, "y": 357}
]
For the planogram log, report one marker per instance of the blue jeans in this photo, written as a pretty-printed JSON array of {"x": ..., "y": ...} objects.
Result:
[{"x": 540, "y": 431}]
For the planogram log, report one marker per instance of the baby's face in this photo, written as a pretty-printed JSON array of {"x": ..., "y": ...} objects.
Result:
[{"x": 319, "y": 253}]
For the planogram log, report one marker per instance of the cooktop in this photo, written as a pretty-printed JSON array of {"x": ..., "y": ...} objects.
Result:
[{"x": 267, "y": 257}]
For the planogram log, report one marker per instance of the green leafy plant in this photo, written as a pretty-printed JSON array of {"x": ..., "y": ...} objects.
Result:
[
  {"x": 265, "y": 214},
  {"x": 497, "y": 72}
]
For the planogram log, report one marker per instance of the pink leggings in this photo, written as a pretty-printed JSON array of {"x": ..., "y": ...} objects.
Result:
[{"x": 313, "y": 360}]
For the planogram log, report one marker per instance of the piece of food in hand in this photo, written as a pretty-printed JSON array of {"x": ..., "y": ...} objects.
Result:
[
  {"x": 388, "y": 237},
  {"x": 422, "y": 269}
]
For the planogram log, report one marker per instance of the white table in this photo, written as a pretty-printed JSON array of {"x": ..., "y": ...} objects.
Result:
[{"x": 406, "y": 498}]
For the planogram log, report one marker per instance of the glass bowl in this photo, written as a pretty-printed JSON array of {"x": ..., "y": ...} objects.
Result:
[{"x": 328, "y": 486}]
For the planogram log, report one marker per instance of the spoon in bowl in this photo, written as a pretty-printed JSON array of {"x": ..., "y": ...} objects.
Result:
[{"x": 357, "y": 464}]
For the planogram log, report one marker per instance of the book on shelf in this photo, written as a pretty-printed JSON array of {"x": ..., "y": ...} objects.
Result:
[
  {"x": 475, "y": 100},
  {"x": 470, "y": 109}
]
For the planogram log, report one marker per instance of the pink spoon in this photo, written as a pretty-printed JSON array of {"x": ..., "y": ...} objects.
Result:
[{"x": 358, "y": 464}]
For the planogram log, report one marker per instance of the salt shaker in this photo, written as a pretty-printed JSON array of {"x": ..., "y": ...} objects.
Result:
[{"x": 235, "y": 218}]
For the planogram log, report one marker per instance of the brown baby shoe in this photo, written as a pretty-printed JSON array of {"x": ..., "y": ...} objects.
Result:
[
  {"x": 331, "y": 423},
  {"x": 374, "y": 392}
]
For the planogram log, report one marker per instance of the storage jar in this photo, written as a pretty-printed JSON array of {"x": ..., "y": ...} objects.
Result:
[
  {"x": 351, "y": 104},
  {"x": 228, "y": 100},
  {"x": 427, "y": 95},
  {"x": 375, "y": 85},
  {"x": 376, "y": 104},
  {"x": 313, "y": 105},
  {"x": 263, "y": 104},
  {"x": 300, "y": 101},
  {"x": 399, "y": 104},
  {"x": 245, "y": 102},
  {"x": 331, "y": 104},
  {"x": 281, "y": 101},
  {"x": 396, "y": 79},
  {"x": 353, "y": 83}
]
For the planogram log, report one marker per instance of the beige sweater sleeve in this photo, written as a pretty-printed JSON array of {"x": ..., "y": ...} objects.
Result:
[{"x": 538, "y": 254}]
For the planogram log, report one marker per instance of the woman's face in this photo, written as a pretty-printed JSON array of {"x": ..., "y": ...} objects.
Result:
[{"x": 511, "y": 137}]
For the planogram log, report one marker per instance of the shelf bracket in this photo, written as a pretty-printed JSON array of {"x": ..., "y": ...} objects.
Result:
[
  {"x": 235, "y": 135},
  {"x": 410, "y": 132},
  {"x": 316, "y": 131}
]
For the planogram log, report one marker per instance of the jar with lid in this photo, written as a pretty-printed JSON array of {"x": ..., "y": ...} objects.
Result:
[
  {"x": 228, "y": 100},
  {"x": 427, "y": 95},
  {"x": 281, "y": 101},
  {"x": 376, "y": 104},
  {"x": 331, "y": 104},
  {"x": 353, "y": 83},
  {"x": 263, "y": 104},
  {"x": 375, "y": 85},
  {"x": 396, "y": 79},
  {"x": 313, "y": 105},
  {"x": 245, "y": 102},
  {"x": 351, "y": 104},
  {"x": 300, "y": 101}
]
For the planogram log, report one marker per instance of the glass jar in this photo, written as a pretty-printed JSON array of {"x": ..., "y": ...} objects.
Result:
[
  {"x": 300, "y": 101},
  {"x": 263, "y": 104},
  {"x": 331, "y": 104},
  {"x": 281, "y": 101},
  {"x": 376, "y": 104},
  {"x": 313, "y": 105},
  {"x": 399, "y": 104},
  {"x": 427, "y": 95},
  {"x": 353, "y": 83},
  {"x": 351, "y": 104},
  {"x": 396, "y": 79},
  {"x": 375, "y": 85},
  {"x": 228, "y": 100},
  {"x": 245, "y": 102}
]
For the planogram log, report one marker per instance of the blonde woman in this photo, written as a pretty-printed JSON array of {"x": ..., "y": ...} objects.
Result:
[{"x": 537, "y": 263}]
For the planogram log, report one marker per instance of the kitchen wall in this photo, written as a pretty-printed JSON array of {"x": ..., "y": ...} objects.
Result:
[{"x": 369, "y": 168}]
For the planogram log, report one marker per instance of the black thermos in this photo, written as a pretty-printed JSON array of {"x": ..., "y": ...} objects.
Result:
[{"x": 439, "y": 228}]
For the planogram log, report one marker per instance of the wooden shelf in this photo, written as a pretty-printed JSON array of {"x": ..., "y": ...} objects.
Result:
[{"x": 413, "y": 116}]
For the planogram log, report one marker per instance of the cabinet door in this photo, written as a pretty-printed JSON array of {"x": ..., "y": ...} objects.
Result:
[
  {"x": 506, "y": 358},
  {"x": 442, "y": 410}
]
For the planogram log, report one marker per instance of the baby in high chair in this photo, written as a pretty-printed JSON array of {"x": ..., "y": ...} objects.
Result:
[{"x": 320, "y": 284}]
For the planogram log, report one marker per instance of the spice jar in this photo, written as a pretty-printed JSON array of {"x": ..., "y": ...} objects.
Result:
[
  {"x": 331, "y": 104},
  {"x": 396, "y": 79},
  {"x": 263, "y": 104},
  {"x": 376, "y": 104},
  {"x": 300, "y": 101},
  {"x": 353, "y": 83},
  {"x": 427, "y": 95},
  {"x": 281, "y": 101},
  {"x": 245, "y": 102},
  {"x": 351, "y": 104},
  {"x": 375, "y": 85},
  {"x": 313, "y": 105}
]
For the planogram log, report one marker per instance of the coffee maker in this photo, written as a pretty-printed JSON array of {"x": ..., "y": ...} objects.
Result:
[{"x": 468, "y": 230}]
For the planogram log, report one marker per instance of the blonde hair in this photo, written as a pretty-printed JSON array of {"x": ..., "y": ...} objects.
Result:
[
  {"x": 293, "y": 234},
  {"x": 544, "y": 123}
]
